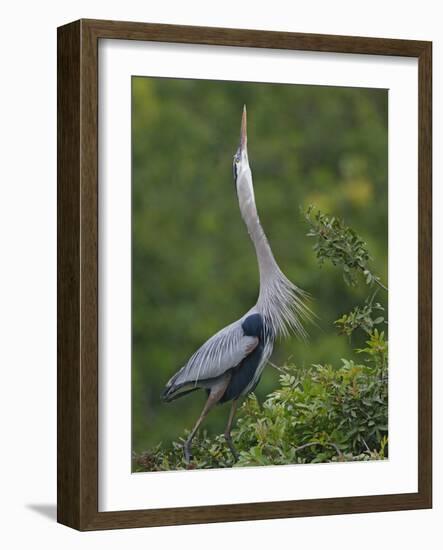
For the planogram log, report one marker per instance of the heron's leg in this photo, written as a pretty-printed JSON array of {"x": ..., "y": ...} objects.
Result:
[
  {"x": 215, "y": 395},
  {"x": 208, "y": 406},
  {"x": 229, "y": 427}
]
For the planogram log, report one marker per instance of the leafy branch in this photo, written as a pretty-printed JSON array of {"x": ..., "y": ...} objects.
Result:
[
  {"x": 364, "y": 317},
  {"x": 341, "y": 245}
]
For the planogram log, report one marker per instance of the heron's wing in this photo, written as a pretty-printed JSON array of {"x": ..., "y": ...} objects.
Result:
[{"x": 223, "y": 351}]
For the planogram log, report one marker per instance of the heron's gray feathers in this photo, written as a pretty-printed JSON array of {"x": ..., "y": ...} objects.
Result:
[{"x": 223, "y": 351}]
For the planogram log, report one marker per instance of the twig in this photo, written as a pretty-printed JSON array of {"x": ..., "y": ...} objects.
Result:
[
  {"x": 329, "y": 444},
  {"x": 381, "y": 285},
  {"x": 280, "y": 369}
]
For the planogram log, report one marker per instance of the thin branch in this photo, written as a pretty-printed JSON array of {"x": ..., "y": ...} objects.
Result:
[
  {"x": 381, "y": 285},
  {"x": 280, "y": 369},
  {"x": 329, "y": 444}
]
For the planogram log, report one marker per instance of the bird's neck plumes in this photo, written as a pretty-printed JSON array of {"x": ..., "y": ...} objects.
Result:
[{"x": 281, "y": 303}]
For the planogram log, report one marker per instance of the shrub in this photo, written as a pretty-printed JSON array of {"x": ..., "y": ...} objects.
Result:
[{"x": 318, "y": 414}]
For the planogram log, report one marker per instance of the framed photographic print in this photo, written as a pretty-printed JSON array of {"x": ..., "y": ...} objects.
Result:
[{"x": 244, "y": 226}]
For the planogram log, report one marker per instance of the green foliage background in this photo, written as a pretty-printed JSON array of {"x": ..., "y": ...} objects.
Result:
[{"x": 194, "y": 268}]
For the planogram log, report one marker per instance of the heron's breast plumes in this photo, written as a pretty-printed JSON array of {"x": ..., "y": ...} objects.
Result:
[{"x": 284, "y": 306}]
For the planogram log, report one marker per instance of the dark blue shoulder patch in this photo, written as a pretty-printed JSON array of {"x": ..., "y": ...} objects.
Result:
[{"x": 253, "y": 325}]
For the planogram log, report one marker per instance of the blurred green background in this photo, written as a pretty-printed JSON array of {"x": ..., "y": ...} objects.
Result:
[{"x": 194, "y": 267}]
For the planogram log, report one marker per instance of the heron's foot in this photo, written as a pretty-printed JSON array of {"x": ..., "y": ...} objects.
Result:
[
  {"x": 231, "y": 446},
  {"x": 187, "y": 451}
]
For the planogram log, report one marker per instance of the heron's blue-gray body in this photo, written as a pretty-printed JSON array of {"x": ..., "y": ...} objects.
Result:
[
  {"x": 245, "y": 370},
  {"x": 227, "y": 353}
]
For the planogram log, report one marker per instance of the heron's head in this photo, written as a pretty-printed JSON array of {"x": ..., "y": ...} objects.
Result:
[{"x": 240, "y": 165}]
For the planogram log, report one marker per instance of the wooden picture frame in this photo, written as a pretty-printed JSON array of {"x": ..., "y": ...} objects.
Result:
[{"x": 78, "y": 244}]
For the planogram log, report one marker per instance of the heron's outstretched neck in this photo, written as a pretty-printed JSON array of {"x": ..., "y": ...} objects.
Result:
[
  {"x": 280, "y": 301},
  {"x": 267, "y": 265}
]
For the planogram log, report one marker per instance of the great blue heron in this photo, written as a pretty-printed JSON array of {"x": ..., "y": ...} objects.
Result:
[{"x": 229, "y": 365}]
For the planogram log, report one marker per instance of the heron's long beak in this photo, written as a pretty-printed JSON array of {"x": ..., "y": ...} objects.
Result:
[{"x": 243, "y": 131}]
